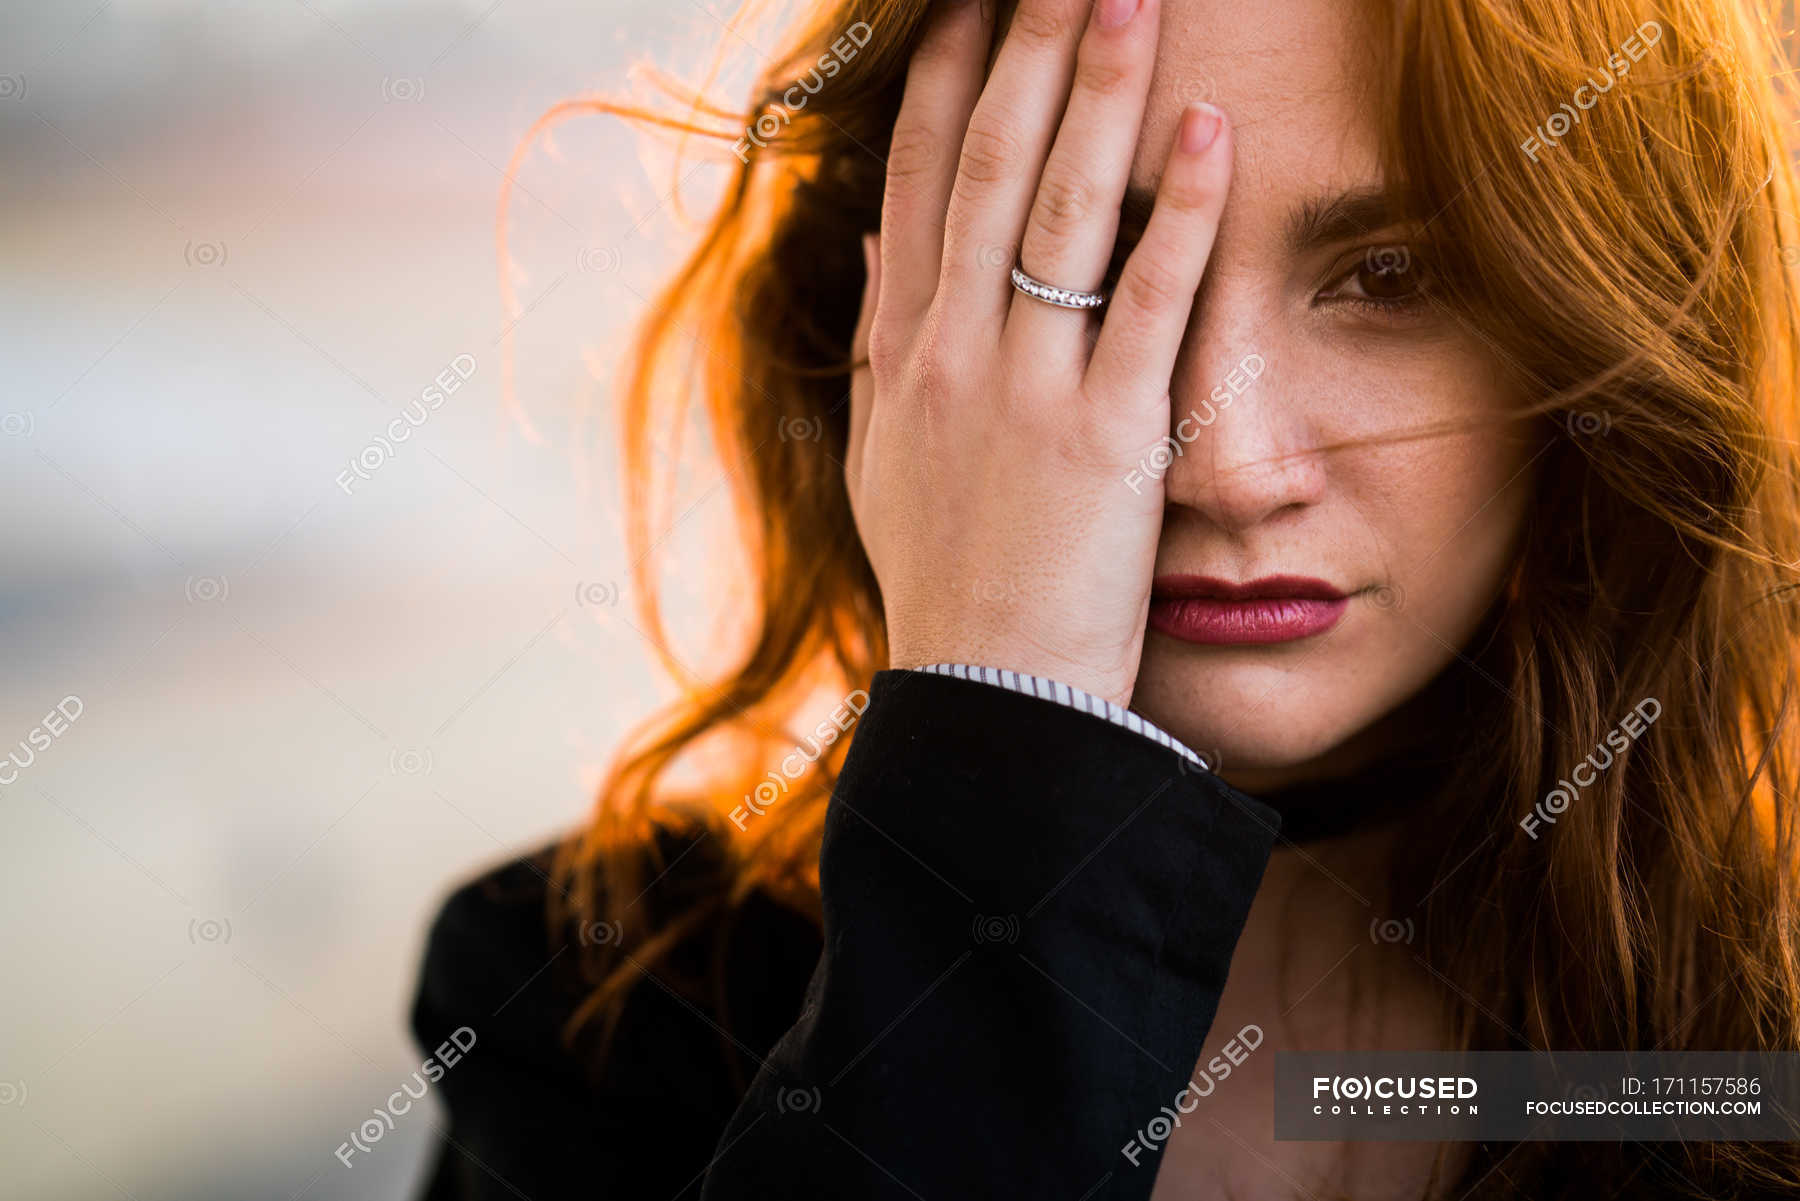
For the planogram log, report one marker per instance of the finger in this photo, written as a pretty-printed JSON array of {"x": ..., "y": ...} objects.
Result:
[
  {"x": 1147, "y": 316},
  {"x": 1003, "y": 154},
  {"x": 943, "y": 82},
  {"x": 1075, "y": 214},
  {"x": 862, "y": 386}
]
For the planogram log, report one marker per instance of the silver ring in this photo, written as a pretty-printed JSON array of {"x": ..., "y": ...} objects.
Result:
[{"x": 1037, "y": 289}]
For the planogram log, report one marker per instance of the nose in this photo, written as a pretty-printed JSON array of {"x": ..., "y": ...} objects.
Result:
[{"x": 1248, "y": 445}]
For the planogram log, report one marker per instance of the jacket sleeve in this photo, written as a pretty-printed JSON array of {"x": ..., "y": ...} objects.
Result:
[{"x": 1029, "y": 912}]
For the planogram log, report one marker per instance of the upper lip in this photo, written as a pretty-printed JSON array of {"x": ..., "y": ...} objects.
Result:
[{"x": 1268, "y": 587}]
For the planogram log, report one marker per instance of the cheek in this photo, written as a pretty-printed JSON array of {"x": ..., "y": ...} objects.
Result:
[
  {"x": 1444, "y": 507},
  {"x": 1452, "y": 508}
]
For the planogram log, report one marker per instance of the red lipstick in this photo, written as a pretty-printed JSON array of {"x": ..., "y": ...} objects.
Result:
[{"x": 1214, "y": 612}]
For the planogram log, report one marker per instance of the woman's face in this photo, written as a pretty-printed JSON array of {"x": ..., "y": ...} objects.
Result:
[{"x": 1285, "y": 356}]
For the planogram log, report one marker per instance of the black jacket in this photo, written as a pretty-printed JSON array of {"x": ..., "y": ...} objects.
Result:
[{"x": 1029, "y": 913}]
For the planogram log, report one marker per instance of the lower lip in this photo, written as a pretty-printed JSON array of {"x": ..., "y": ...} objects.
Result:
[{"x": 1213, "y": 622}]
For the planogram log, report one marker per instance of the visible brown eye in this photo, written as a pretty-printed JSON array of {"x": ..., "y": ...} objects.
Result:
[
  {"x": 1383, "y": 278},
  {"x": 1387, "y": 272}
]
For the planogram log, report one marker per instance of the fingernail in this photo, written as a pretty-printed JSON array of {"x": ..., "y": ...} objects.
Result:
[
  {"x": 1200, "y": 126},
  {"x": 1114, "y": 13},
  {"x": 870, "y": 242}
]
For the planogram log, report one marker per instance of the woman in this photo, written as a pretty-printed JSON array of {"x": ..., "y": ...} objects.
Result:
[{"x": 1315, "y": 497}]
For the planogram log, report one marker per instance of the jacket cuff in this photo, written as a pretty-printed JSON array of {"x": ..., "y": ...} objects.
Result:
[
  {"x": 1075, "y": 698},
  {"x": 1029, "y": 915}
]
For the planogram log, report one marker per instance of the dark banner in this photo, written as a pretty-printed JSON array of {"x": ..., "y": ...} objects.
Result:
[{"x": 1532, "y": 1095}]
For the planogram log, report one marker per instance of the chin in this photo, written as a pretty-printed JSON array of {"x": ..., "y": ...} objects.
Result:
[{"x": 1266, "y": 723}]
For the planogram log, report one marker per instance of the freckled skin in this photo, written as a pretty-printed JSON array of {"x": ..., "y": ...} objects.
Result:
[
  {"x": 1424, "y": 529},
  {"x": 1418, "y": 532}
]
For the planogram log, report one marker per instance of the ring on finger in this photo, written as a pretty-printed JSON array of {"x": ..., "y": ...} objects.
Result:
[{"x": 1066, "y": 298}]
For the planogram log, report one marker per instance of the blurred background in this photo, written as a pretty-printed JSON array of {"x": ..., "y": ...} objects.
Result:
[{"x": 307, "y": 681}]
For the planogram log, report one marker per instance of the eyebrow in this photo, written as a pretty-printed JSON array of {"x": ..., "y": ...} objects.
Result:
[{"x": 1321, "y": 220}]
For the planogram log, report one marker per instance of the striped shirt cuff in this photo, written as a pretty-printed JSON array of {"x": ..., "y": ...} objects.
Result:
[{"x": 1065, "y": 694}]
